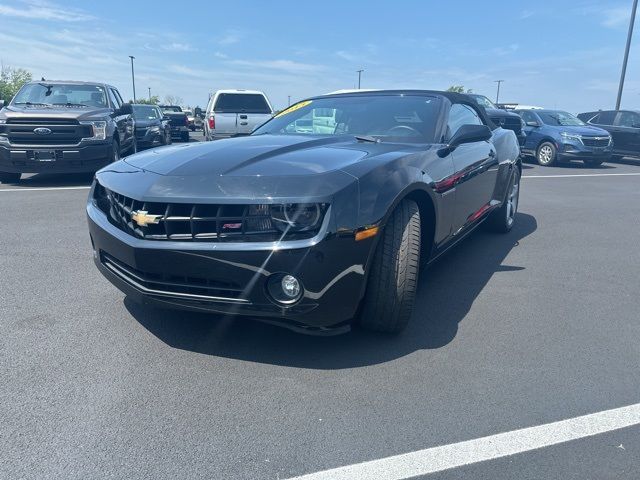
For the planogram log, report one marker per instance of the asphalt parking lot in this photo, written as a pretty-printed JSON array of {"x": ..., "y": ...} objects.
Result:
[{"x": 512, "y": 331}]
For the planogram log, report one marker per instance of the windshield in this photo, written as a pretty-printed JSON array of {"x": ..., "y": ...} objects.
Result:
[
  {"x": 170, "y": 108},
  {"x": 142, "y": 112},
  {"x": 409, "y": 118},
  {"x": 484, "y": 101},
  {"x": 558, "y": 118},
  {"x": 241, "y": 103},
  {"x": 61, "y": 94}
]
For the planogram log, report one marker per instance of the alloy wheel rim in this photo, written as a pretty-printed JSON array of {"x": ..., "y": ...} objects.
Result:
[
  {"x": 545, "y": 155},
  {"x": 512, "y": 202}
]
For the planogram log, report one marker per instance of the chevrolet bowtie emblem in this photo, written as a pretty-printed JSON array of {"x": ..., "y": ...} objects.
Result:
[{"x": 142, "y": 218}]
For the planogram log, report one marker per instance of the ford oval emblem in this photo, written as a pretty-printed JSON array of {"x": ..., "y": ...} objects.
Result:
[{"x": 42, "y": 131}]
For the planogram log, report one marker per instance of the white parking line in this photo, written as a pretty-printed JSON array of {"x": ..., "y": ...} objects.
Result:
[
  {"x": 42, "y": 189},
  {"x": 585, "y": 175},
  {"x": 445, "y": 457}
]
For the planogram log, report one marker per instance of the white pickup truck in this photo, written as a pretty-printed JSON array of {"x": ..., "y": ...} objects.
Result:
[{"x": 235, "y": 112}]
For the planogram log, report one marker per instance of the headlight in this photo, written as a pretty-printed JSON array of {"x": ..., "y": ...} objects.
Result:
[
  {"x": 297, "y": 217},
  {"x": 99, "y": 130},
  {"x": 155, "y": 129},
  {"x": 3, "y": 121},
  {"x": 571, "y": 136}
]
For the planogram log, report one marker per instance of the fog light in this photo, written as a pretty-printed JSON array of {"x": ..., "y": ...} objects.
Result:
[
  {"x": 285, "y": 289},
  {"x": 290, "y": 286}
]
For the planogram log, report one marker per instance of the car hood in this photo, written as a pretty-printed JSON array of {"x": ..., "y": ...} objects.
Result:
[
  {"x": 71, "y": 113},
  {"x": 586, "y": 130},
  {"x": 498, "y": 113},
  {"x": 260, "y": 155}
]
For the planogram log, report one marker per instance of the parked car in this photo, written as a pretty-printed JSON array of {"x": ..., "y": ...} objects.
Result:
[
  {"x": 151, "y": 126},
  {"x": 232, "y": 113},
  {"x": 622, "y": 125},
  {"x": 177, "y": 120},
  {"x": 307, "y": 228},
  {"x": 63, "y": 127},
  {"x": 195, "y": 121},
  {"x": 555, "y": 136},
  {"x": 502, "y": 118}
]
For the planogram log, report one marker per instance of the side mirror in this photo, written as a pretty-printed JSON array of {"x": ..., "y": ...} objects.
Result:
[
  {"x": 470, "y": 134},
  {"x": 125, "y": 109},
  {"x": 533, "y": 124}
]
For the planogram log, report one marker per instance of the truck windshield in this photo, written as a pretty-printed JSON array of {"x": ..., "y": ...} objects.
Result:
[
  {"x": 144, "y": 112},
  {"x": 404, "y": 118},
  {"x": 241, "y": 103},
  {"x": 558, "y": 118},
  {"x": 61, "y": 94},
  {"x": 484, "y": 102}
]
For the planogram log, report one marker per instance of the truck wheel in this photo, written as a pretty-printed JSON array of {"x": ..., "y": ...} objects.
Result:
[
  {"x": 6, "y": 177},
  {"x": 185, "y": 137},
  {"x": 503, "y": 219},
  {"x": 115, "y": 151},
  {"x": 546, "y": 154},
  {"x": 393, "y": 280},
  {"x": 134, "y": 147}
]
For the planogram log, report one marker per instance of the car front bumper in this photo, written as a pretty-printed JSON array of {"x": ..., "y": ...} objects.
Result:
[
  {"x": 177, "y": 132},
  {"x": 59, "y": 159},
  {"x": 576, "y": 150},
  {"x": 169, "y": 274}
]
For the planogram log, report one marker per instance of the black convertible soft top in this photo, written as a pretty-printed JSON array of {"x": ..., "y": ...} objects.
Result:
[{"x": 453, "y": 97}]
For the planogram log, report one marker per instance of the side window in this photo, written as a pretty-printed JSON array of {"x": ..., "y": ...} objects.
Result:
[
  {"x": 528, "y": 117},
  {"x": 628, "y": 119},
  {"x": 115, "y": 100},
  {"x": 604, "y": 118},
  {"x": 460, "y": 115}
]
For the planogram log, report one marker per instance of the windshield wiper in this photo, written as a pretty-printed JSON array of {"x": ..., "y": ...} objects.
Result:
[
  {"x": 69, "y": 104},
  {"x": 30, "y": 104},
  {"x": 367, "y": 138}
]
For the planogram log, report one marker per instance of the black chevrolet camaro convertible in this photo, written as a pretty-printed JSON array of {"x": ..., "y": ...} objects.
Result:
[{"x": 319, "y": 219}]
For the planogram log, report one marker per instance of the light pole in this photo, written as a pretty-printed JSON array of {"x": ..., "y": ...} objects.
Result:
[
  {"x": 359, "y": 77},
  {"x": 498, "y": 92},
  {"x": 626, "y": 53},
  {"x": 289, "y": 97},
  {"x": 133, "y": 78},
  {"x": 149, "y": 93}
]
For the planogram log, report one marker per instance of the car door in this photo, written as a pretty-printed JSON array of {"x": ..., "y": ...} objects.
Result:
[
  {"x": 626, "y": 132},
  {"x": 476, "y": 166},
  {"x": 531, "y": 127}
]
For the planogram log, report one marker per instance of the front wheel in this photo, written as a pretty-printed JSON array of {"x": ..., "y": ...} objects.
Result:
[
  {"x": 393, "y": 279},
  {"x": 185, "y": 137},
  {"x": 546, "y": 154},
  {"x": 6, "y": 177},
  {"x": 115, "y": 151},
  {"x": 503, "y": 219}
]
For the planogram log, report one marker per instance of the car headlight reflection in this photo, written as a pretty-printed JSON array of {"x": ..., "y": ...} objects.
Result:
[
  {"x": 298, "y": 217},
  {"x": 571, "y": 136}
]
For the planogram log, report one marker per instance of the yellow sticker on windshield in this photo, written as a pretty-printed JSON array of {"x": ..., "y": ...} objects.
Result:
[{"x": 293, "y": 108}]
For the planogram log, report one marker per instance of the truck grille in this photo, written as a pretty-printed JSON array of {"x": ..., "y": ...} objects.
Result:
[
  {"x": 192, "y": 222},
  {"x": 62, "y": 131},
  {"x": 595, "y": 141},
  {"x": 163, "y": 284}
]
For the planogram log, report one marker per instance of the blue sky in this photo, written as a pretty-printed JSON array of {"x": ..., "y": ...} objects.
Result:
[{"x": 562, "y": 53}]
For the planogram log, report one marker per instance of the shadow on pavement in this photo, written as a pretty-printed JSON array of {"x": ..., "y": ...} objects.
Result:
[
  {"x": 446, "y": 292},
  {"x": 54, "y": 180}
]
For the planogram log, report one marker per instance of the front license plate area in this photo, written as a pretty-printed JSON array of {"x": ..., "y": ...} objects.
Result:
[{"x": 43, "y": 155}]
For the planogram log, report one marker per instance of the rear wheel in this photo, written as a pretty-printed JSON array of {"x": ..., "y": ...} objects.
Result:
[
  {"x": 546, "y": 154},
  {"x": 115, "y": 151},
  {"x": 185, "y": 137},
  {"x": 616, "y": 158},
  {"x": 6, "y": 177},
  {"x": 393, "y": 279},
  {"x": 503, "y": 219}
]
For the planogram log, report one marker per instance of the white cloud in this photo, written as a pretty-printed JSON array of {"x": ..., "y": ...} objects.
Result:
[
  {"x": 616, "y": 17},
  {"x": 282, "y": 65},
  {"x": 526, "y": 14},
  {"x": 220, "y": 55},
  {"x": 230, "y": 37},
  {"x": 44, "y": 11}
]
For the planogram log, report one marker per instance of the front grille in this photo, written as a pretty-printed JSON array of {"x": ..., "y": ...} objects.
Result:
[
  {"x": 595, "y": 141},
  {"x": 187, "y": 287},
  {"x": 63, "y": 131},
  {"x": 193, "y": 222}
]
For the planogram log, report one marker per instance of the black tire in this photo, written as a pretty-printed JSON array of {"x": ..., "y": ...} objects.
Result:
[
  {"x": 546, "y": 154},
  {"x": 134, "y": 147},
  {"x": 616, "y": 158},
  {"x": 503, "y": 219},
  {"x": 6, "y": 177},
  {"x": 185, "y": 137},
  {"x": 591, "y": 162},
  {"x": 393, "y": 279}
]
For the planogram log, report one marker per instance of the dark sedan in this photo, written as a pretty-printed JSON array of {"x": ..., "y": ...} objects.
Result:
[
  {"x": 304, "y": 225},
  {"x": 151, "y": 127},
  {"x": 624, "y": 128}
]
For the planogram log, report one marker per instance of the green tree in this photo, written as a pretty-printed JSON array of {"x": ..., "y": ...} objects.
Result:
[
  {"x": 458, "y": 89},
  {"x": 11, "y": 80},
  {"x": 172, "y": 100},
  {"x": 154, "y": 100}
]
